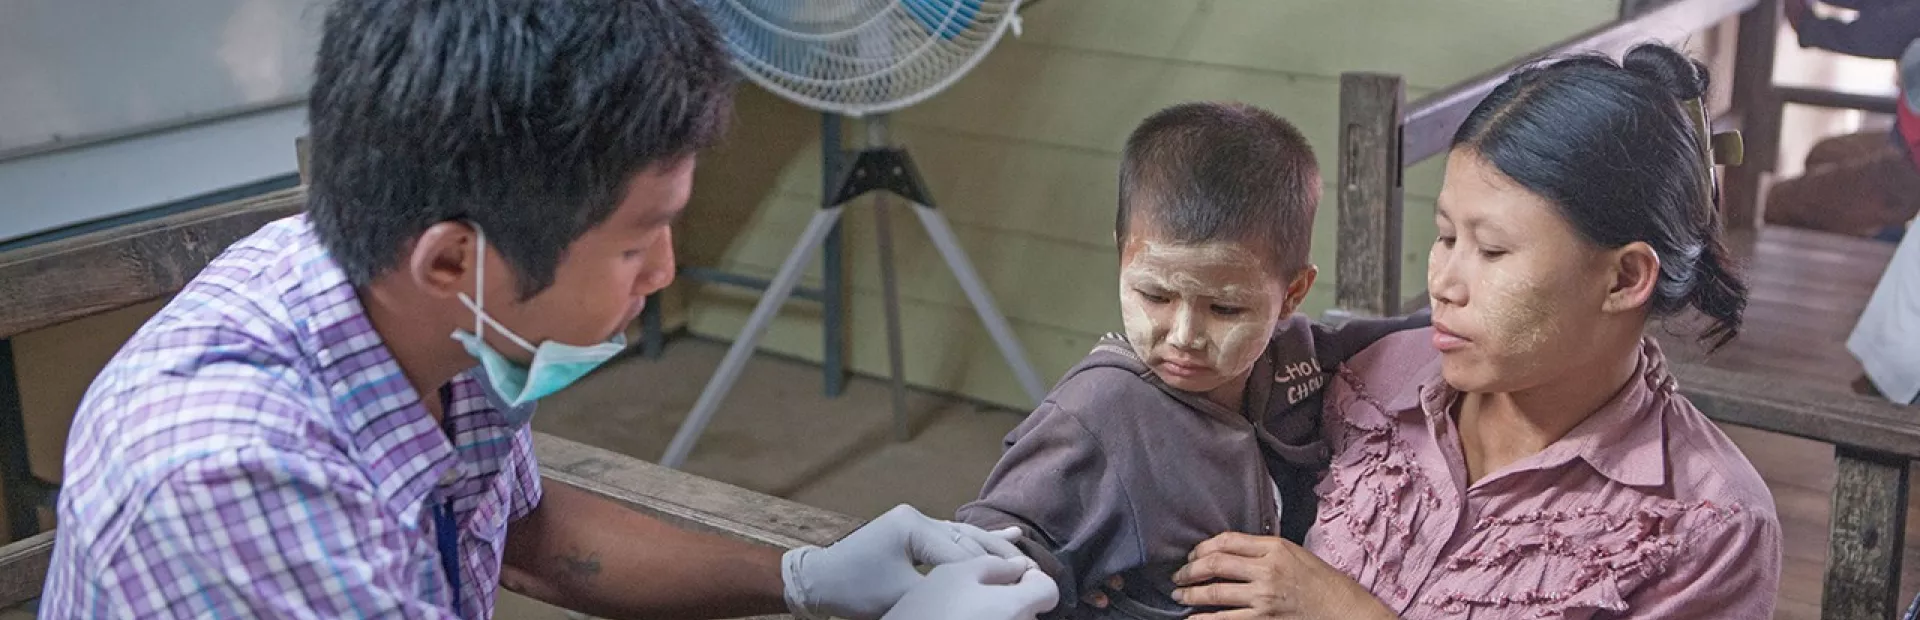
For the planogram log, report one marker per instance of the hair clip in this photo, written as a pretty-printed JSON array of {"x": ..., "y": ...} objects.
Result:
[
  {"x": 1729, "y": 148},
  {"x": 1725, "y": 148}
]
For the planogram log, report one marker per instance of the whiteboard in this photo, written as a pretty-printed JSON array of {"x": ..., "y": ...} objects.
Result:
[
  {"x": 58, "y": 189},
  {"x": 79, "y": 71}
]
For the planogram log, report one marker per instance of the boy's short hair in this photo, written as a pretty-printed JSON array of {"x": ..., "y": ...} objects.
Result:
[
  {"x": 527, "y": 117},
  {"x": 1204, "y": 172}
]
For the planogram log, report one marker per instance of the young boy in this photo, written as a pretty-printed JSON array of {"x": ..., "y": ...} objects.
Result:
[{"x": 1201, "y": 419}]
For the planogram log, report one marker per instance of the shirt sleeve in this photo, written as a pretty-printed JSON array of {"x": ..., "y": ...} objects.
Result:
[
  {"x": 1732, "y": 571},
  {"x": 526, "y": 472},
  {"x": 1056, "y": 484},
  {"x": 262, "y": 533}
]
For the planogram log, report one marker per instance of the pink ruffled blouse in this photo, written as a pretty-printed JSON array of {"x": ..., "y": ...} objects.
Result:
[{"x": 1645, "y": 510}]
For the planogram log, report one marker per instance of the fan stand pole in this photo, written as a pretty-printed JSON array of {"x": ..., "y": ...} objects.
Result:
[
  {"x": 941, "y": 234},
  {"x": 757, "y": 323},
  {"x": 884, "y": 168},
  {"x": 889, "y": 291}
]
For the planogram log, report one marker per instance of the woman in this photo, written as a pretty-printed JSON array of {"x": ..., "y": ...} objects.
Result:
[{"x": 1528, "y": 456}]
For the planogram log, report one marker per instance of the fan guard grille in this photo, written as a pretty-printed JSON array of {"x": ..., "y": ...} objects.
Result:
[{"x": 859, "y": 57}]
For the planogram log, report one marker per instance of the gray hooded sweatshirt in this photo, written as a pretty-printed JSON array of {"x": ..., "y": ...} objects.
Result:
[{"x": 1119, "y": 474}]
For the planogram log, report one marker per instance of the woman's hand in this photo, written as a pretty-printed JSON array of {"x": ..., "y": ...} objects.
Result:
[{"x": 1269, "y": 577}]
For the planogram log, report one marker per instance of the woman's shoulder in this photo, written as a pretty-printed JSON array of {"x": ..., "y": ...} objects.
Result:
[{"x": 1707, "y": 467}]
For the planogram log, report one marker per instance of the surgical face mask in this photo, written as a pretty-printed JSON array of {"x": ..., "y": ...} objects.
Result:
[{"x": 512, "y": 387}]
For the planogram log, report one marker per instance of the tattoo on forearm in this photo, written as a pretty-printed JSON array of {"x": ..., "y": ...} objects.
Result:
[{"x": 580, "y": 565}]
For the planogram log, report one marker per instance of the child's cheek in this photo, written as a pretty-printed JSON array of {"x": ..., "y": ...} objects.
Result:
[
  {"x": 1138, "y": 323},
  {"x": 1239, "y": 345}
]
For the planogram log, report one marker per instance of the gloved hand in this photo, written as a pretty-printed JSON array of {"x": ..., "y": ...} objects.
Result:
[
  {"x": 864, "y": 574},
  {"x": 983, "y": 588}
]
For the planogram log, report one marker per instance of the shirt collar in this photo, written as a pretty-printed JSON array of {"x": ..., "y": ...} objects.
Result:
[
  {"x": 390, "y": 430},
  {"x": 1626, "y": 439},
  {"x": 1623, "y": 440}
]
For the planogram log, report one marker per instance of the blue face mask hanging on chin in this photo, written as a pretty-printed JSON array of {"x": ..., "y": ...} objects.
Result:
[{"x": 513, "y": 387}]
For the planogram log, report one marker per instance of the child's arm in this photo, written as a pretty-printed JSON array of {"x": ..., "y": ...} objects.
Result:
[{"x": 1055, "y": 483}]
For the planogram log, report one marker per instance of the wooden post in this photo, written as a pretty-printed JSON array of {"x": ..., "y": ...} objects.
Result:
[
  {"x": 16, "y": 470},
  {"x": 1758, "y": 106},
  {"x": 1867, "y": 536},
  {"x": 1367, "y": 259}
]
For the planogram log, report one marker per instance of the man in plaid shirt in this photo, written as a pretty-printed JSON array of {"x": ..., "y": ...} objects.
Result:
[{"x": 331, "y": 419}]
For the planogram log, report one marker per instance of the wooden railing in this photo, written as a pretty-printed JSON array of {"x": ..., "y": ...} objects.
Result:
[
  {"x": 1874, "y": 441},
  {"x": 114, "y": 269},
  {"x": 23, "y": 568}
]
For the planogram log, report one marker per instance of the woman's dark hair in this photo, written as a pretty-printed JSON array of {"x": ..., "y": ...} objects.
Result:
[{"x": 1610, "y": 145}]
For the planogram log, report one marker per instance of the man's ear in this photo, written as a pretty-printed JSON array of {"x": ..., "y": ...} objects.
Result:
[
  {"x": 1633, "y": 272},
  {"x": 441, "y": 261},
  {"x": 1297, "y": 289}
]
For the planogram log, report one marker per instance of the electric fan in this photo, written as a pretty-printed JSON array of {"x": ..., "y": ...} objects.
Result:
[{"x": 860, "y": 58}]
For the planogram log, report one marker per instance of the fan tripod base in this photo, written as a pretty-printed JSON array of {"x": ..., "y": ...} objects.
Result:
[{"x": 891, "y": 170}]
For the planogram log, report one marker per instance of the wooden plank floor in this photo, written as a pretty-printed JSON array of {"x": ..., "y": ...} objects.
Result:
[{"x": 1807, "y": 289}]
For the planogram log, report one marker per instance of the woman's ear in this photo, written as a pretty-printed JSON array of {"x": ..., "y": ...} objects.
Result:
[
  {"x": 1297, "y": 289},
  {"x": 441, "y": 262},
  {"x": 1634, "y": 272}
]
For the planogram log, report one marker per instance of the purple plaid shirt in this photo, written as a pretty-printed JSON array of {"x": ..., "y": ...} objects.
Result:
[{"x": 255, "y": 452}]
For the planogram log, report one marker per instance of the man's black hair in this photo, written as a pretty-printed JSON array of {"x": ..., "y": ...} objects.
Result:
[{"x": 525, "y": 117}]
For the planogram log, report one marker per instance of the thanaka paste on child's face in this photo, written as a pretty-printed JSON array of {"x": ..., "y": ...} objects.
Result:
[{"x": 1200, "y": 315}]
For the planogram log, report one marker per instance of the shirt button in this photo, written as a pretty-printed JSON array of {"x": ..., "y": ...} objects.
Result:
[{"x": 450, "y": 476}]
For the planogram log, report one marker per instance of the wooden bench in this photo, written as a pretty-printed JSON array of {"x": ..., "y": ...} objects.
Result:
[
  {"x": 1874, "y": 441},
  {"x": 95, "y": 273}
]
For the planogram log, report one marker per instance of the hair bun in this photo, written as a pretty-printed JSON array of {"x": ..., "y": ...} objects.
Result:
[{"x": 1683, "y": 77}]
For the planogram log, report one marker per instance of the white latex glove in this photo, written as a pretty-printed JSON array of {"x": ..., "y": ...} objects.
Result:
[
  {"x": 863, "y": 575},
  {"x": 984, "y": 588}
]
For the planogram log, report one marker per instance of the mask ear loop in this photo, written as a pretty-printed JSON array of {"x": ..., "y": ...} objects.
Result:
[
  {"x": 480, "y": 284},
  {"x": 479, "y": 300}
]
